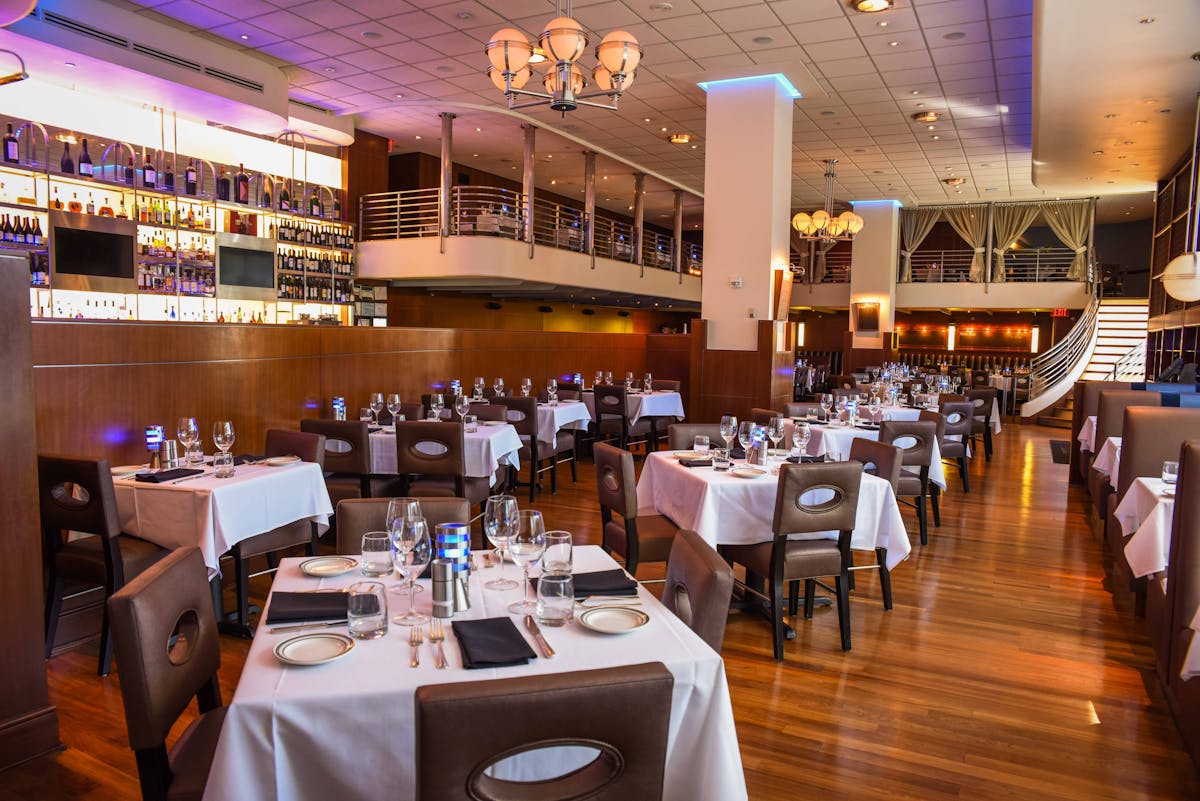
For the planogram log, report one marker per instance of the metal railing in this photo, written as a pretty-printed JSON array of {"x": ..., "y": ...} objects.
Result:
[
  {"x": 1021, "y": 265},
  {"x": 1051, "y": 367},
  {"x": 1131, "y": 366},
  {"x": 492, "y": 211},
  {"x": 837, "y": 268}
]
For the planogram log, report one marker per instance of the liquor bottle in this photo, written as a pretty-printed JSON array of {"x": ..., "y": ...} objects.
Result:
[
  {"x": 106, "y": 210},
  {"x": 6, "y": 230},
  {"x": 130, "y": 172},
  {"x": 85, "y": 161},
  {"x": 189, "y": 178},
  {"x": 168, "y": 177},
  {"x": 11, "y": 151},
  {"x": 67, "y": 164},
  {"x": 74, "y": 204},
  {"x": 285, "y": 198},
  {"x": 58, "y": 204},
  {"x": 38, "y": 237},
  {"x": 149, "y": 174},
  {"x": 91, "y": 204},
  {"x": 242, "y": 185},
  {"x": 314, "y": 204},
  {"x": 337, "y": 206},
  {"x": 223, "y": 186},
  {"x": 265, "y": 201}
]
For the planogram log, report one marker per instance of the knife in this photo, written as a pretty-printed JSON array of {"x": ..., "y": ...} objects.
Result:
[
  {"x": 532, "y": 625},
  {"x": 304, "y": 626}
]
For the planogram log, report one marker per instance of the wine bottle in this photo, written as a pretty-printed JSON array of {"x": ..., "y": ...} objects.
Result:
[
  {"x": 337, "y": 206},
  {"x": 314, "y": 204},
  {"x": 67, "y": 164},
  {"x": 130, "y": 171},
  {"x": 11, "y": 151},
  {"x": 223, "y": 186},
  {"x": 38, "y": 237},
  {"x": 149, "y": 173},
  {"x": 189, "y": 178},
  {"x": 85, "y": 160},
  {"x": 168, "y": 177},
  {"x": 285, "y": 198},
  {"x": 6, "y": 230},
  {"x": 265, "y": 202},
  {"x": 242, "y": 185}
]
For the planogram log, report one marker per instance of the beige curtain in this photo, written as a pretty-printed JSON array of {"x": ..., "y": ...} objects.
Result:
[
  {"x": 915, "y": 225},
  {"x": 819, "y": 269},
  {"x": 970, "y": 222},
  {"x": 799, "y": 253},
  {"x": 1070, "y": 220},
  {"x": 1009, "y": 222}
]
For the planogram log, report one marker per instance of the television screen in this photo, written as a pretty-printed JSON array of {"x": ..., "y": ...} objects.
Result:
[
  {"x": 242, "y": 267},
  {"x": 81, "y": 252}
]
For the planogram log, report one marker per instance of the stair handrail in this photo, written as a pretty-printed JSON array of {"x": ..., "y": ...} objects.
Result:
[
  {"x": 1131, "y": 366},
  {"x": 1048, "y": 368}
]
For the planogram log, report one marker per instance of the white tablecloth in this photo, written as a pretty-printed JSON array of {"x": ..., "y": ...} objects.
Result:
[
  {"x": 1146, "y": 513},
  {"x": 214, "y": 514},
  {"x": 484, "y": 451},
  {"x": 1087, "y": 435},
  {"x": 1108, "y": 460},
  {"x": 566, "y": 414},
  {"x": 654, "y": 404},
  {"x": 727, "y": 510},
  {"x": 345, "y": 731},
  {"x": 823, "y": 439}
]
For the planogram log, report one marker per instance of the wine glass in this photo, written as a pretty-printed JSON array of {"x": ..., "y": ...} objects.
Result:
[
  {"x": 437, "y": 402},
  {"x": 827, "y": 404},
  {"x": 499, "y": 520},
  {"x": 462, "y": 405},
  {"x": 801, "y": 434},
  {"x": 400, "y": 510},
  {"x": 729, "y": 427},
  {"x": 648, "y": 382},
  {"x": 394, "y": 406},
  {"x": 479, "y": 387},
  {"x": 526, "y": 546},
  {"x": 498, "y": 386},
  {"x": 223, "y": 435},
  {"x": 188, "y": 432},
  {"x": 745, "y": 435},
  {"x": 775, "y": 432},
  {"x": 608, "y": 377},
  {"x": 599, "y": 378},
  {"x": 526, "y": 387},
  {"x": 411, "y": 552},
  {"x": 376, "y": 404},
  {"x": 552, "y": 391}
]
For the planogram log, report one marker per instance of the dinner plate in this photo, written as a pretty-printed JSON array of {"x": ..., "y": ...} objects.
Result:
[
  {"x": 389, "y": 429},
  {"x": 690, "y": 455},
  {"x": 492, "y": 423},
  {"x": 128, "y": 469},
  {"x": 279, "y": 461},
  {"x": 747, "y": 472},
  {"x": 313, "y": 649},
  {"x": 327, "y": 566},
  {"x": 613, "y": 619},
  {"x": 1167, "y": 492}
]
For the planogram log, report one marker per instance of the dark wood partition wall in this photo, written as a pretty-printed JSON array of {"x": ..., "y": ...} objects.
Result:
[
  {"x": 735, "y": 381},
  {"x": 99, "y": 384},
  {"x": 28, "y": 724}
]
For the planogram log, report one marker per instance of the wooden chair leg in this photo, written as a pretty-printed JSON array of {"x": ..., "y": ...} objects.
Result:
[
  {"x": 843, "y": 607},
  {"x": 54, "y": 593},
  {"x": 574, "y": 459},
  {"x": 106, "y": 643},
  {"x": 810, "y": 597},
  {"x": 793, "y": 597},
  {"x": 962, "y": 473},
  {"x": 885, "y": 577},
  {"x": 987, "y": 441},
  {"x": 935, "y": 498},
  {"x": 777, "y": 617},
  {"x": 922, "y": 521},
  {"x": 853, "y": 586},
  {"x": 554, "y": 475}
]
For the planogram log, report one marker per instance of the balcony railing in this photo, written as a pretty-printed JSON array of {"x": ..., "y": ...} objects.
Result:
[
  {"x": 491, "y": 211},
  {"x": 1022, "y": 265},
  {"x": 837, "y": 268}
]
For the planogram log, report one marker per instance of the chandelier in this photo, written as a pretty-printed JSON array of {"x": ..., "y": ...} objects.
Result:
[
  {"x": 821, "y": 225},
  {"x": 560, "y": 45}
]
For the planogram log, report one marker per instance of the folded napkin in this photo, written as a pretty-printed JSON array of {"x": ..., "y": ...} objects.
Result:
[
  {"x": 804, "y": 459},
  {"x": 604, "y": 582},
  {"x": 246, "y": 458},
  {"x": 869, "y": 426},
  {"x": 287, "y": 607},
  {"x": 371, "y": 429},
  {"x": 696, "y": 462},
  {"x": 737, "y": 453},
  {"x": 491, "y": 642},
  {"x": 167, "y": 475}
]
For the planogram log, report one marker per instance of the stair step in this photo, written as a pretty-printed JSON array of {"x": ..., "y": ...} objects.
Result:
[{"x": 1054, "y": 422}]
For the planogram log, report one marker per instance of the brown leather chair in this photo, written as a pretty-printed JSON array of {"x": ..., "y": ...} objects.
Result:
[
  {"x": 842, "y": 382},
  {"x": 982, "y": 399},
  {"x": 310, "y": 448},
  {"x": 801, "y": 409},
  {"x": 665, "y": 385},
  {"x": 521, "y": 413},
  {"x": 463, "y": 729},
  {"x": 161, "y": 673},
  {"x": 918, "y": 456},
  {"x": 781, "y": 560},
  {"x": 447, "y": 412},
  {"x": 1110, "y": 419},
  {"x": 77, "y": 495},
  {"x": 844, "y": 392},
  {"x": 959, "y": 422},
  {"x": 762, "y": 417},
  {"x": 566, "y": 442},
  {"x": 1183, "y": 597},
  {"x": 482, "y": 411},
  {"x": 935, "y": 492},
  {"x": 612, "y": 420},
  {"x": 357, "y": 516},
  {"x": 882, "y": 461},
  {"x": 636, "y": 538},
  {"x": 698, "y": 587},
  {"x": 347, "y": 457},
  {"x": 431, "y": 454},
  {"x": 682, "y": 436}
]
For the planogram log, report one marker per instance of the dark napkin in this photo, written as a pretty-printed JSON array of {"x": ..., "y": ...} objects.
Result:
[
  {"x": 868, "y": 426},
  {"x": 246, "y": 458},
  {"x": 491, "y": 642},
  {"x": 288, "y": 607},
  {"x": 805, "y": 459},
  {"x": 737, "y": 453},
  {"x": 696, "y": 462},
  {"x": 167, "y": 475},
  {"x": 604, "y": 582}
]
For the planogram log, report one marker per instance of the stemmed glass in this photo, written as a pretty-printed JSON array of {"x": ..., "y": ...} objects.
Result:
[
  {"x": 499, "y": 521},
  {"x": 526, "y": 546},
  {"x": 189, "y": 434},
  {"x": 608, "y": 377},
  {"x": 223, "y": 435},
  {"x": 729, "y": 427},
  {"x": 399, "y": 511},
  {"x": 775, "y": 432},
  {"x": 599, "y": 378},
  {"x": 745, "y": 435},
  {"x": 437, "y": 402},
  {"x": 479, "y": 387},
  {"x": 498, "y": 386},
  {"x": 552, "y": 391},
  {"x": 801, "y": 434},
  {"x": 411, "y": 552},
  {"x": 394, "y": 406},
  {"x": 526, "y": 387},
  {"x": 376, "y": 404},
  {"x": 827, "y": 404},
  {"x": 648, "y": 382},
  {"x": 629, "y": 381},
  {"x": 462, "y": 405}
]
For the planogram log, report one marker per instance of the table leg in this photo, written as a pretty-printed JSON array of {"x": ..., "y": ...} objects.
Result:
[{"x": 227, "y": 622}]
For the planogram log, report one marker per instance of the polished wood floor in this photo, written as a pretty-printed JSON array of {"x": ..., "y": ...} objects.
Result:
[{"x": 1005, "y": 671}]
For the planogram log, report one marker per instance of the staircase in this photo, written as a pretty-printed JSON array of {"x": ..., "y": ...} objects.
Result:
[{"x": 1120, "y": 332}]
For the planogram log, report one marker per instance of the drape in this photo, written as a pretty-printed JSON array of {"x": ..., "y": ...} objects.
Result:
[
  {"x": 819, "y": 270},
  {"x": 1070, "y": 220},
  {"x": 915, "y": 225},
  {"x": 970, "y": 222},
  {"x": 1009, "y": 222}
]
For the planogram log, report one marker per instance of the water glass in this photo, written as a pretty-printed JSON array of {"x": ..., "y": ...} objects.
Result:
[
  {"x": 700, "y": 443},
  {"x": 720, "y": 459},
  {"x": 599, "y": 378},
  {"x": 223, "y": 464},
  {"x": 376, "y": 554},
  {"x": 223, "y": 435},
  {"x": 526, "y": 546},
  {"x": 555, "y": 599},
  {"x": 366, "y": 610},
  {"x": 470, "y": 423},
  {"x": 526, "y": 387},
  {"x": 1170, "y": 472},
  {"x": 394, "y": 405},
  {"x": 365, "y": 415},
  {"x": 195, "y": 454},
  {"x": 558, "y": 555}
]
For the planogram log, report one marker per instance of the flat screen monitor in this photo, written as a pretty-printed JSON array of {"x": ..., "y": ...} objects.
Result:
[
  {"x": 243, "y": 267},
  {"x": 82, "y": 252}
]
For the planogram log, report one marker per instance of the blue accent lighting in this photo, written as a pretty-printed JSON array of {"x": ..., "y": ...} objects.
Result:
[{"x": 778, "y": 76}]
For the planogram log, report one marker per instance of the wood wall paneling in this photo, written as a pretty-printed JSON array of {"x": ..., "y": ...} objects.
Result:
[
  {"x": 28, "y": 723},
  {"x": 364, "y": 170}
]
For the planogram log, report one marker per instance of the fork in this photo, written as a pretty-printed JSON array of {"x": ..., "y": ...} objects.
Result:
[
  {"x": 415, "y": 640},
  {"x": 436, "y": 635}
]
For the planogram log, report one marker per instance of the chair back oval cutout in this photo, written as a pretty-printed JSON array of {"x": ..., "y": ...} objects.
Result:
[
  {"x": 907, "y": 442},
  {"x": 430, "y": 449},
  {"x": 339, "y": 446},
  {"x": 586, "y": 781},
  {"x": 72, "y": 497},
  {"x": 185, "y": 634},
  {"x": 610, "y": 479},
  {"x": 820, "y": 498},
  {"x": 954, "y": 417}
]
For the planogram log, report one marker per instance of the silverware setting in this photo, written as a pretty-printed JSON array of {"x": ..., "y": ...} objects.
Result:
[
  {"x": 437, "y": 635},
  {"x": 599, "y": 600},
  {"x": 415, "y": 639},
  {"x": 189, "y": 478},
  {"x": 304, "y": 626},
  {"x": 532, "y": 625}
]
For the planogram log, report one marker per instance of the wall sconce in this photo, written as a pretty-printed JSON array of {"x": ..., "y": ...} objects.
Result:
[
  {"x": 951, "y": 331},
  {"x": 1034, "y": 335},
  {"x": 866, "y": 317},
  {"x": 799, "y": 335}
]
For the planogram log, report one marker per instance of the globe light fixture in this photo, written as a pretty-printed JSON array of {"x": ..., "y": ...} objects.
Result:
[{"x": 822, "y": 225}]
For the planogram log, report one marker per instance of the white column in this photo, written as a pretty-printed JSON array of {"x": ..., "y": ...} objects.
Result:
[
  {"x": 874, "y": 263},
  {"x": 747, "y": 205}
]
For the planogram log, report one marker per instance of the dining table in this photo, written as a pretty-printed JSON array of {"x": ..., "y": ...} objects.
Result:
[
  {"x": 638, "y": 404},
  {"x": 1108, "y": 459},
  {"x": 345, "y": 729},
  {"x": 560, "y": 416},
  {"x": 214, "y": 514},
  {"x": 727, "y": 509},
  {"x": 1145, "y": 515},
  {"x": 1087, "y": 434},
  {"x": 826, "y": 439},
  {"x": 485, "y": 450}
]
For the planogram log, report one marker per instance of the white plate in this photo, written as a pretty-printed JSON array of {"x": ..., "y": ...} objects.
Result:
[
  {"x": 1168, "y": 491},
  {"x": 389, "y": 429},
  {"x": 328, "y": 566},
  {"x": 492, "y": 423},
  {"x": 690, "y": 455},
  {"x": 613, "y": 619},
  {"x": 279, "y": 461},
  {"x": 128, "y": 469},
  {"x": 313, "y": 649},
  {"x": 747, "y": 472}
]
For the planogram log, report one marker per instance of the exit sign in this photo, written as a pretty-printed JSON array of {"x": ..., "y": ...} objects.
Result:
[{"x": 1061, "y": 313}]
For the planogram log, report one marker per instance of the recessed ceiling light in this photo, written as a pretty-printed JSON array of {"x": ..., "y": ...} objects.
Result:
[
  {"x": 1097, "y": 152},
  {"x": 478, "y": 130},
  {"x": 882, "y": 24},
  {"x": 1134, "y": 164},
  {"x": 549, "y": 155},
  {"x": 554, "y": 183},
  {"x": 444, "y": 68},
  {"x": 926, "y": 116},
  {"x": 872, "y": 6},
  {"x": 954, "y": 181},
  {"x": 475, "y": 155},
  {"x": 399, "y": 94},
  {"x": 465, "y": 16},
  {"x": 893, "y": 44},
  {"x": 693, "y": 147},
  {"x": 915, "y": 92},
  {"x": 958, "y": 191},
  {"x": 935, "y": 136},
  {"x": 245, "y": 36},
  {"x": 929, "y": 127},
  {"x": 955, "y": 36},
  {"x": 70, "y": 64},
  {"x": 1146, "y": 20},
  {"x": 371, "y": 35},
  {"x": 664, "y": 130},
  {"x": 645, "y": 119},
  {"x": 418, "y": 136},
  {"x": 762, "y": 40},
  {"x": 1127, "y": 142},
  {"x": 1109, "y": 116},
  {"x": 661, "y": 6},
  {"x": 330, "y": 69}
]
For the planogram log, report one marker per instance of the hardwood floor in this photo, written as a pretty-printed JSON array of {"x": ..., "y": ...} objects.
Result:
[{"x": 1005, "y": 671}]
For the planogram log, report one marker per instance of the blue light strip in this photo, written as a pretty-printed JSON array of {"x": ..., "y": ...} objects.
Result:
[
  {"x": 895, "y": 203},
  {"x": 778, "y": 76}
]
